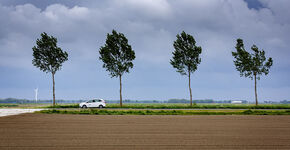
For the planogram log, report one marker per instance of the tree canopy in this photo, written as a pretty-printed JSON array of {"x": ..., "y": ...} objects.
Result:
[
  {"x": 117, "y": 54},
  {"x": 186, "y": 55},
  {"x": 253, "y": 64},
  {"x": 47, "y": 56}
]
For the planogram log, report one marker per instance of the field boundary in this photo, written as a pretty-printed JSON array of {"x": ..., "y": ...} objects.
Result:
[
  {"x": 164, "y": 112},
  {"x": 182, "y": 106}
]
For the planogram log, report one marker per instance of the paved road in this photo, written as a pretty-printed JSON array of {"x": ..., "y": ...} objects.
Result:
[{"x": 12, "y": 111}]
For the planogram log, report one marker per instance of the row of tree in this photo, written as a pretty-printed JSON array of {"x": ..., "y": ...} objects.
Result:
[
  {"x": 117, "y": 56},
  {"x": 174, "y": 100},
  {"x": 22, "y": 101}
]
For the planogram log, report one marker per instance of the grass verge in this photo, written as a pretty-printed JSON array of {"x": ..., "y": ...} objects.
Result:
[
  {"x": 185, "y": 106},
  {"x": 8, "y": 105},
  {"x": 63, "y": 106},
  {"x": 166, "y": 112}
]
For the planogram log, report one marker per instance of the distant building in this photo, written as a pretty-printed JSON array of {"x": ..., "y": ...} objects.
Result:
[{"x": 236, "y": 102}]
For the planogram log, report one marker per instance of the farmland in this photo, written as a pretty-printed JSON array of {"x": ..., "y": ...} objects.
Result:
[{"x": 55, "y": 131}]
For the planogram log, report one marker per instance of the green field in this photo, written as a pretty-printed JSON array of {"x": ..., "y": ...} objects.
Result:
[
  {"x": 184, "y": 106},
  {"x": 163, "y": 109},
  {"x": 8, "y": 105},
  {"x": 165, "y": 112},
  {"x": 157, "y": 106},
  {"x": 201, "y": 106}
]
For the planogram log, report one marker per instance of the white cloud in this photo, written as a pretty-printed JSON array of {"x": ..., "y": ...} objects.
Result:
[
  {"x": 280, "y": 9},
  {"x": 214, "y": 24},
  {"x": 156, "y": 9},
  {"x": 151, "y": 27},
  {"x": 58, "y": 11}
]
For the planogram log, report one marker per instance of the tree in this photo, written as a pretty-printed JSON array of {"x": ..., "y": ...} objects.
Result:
[
  {"x": 48, "y": 57},
  {"x": 117, "y": 56},
  {"x": 186, "y": 56},
  {"x": 251, "y": 65}
]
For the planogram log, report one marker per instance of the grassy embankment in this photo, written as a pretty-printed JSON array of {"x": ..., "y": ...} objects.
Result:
[
  {"x": 8, "y": 105},
  {"x": 166, "y": 112},
  {"x": 185, "y": 106}
]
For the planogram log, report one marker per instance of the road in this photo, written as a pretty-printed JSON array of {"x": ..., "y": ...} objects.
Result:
[{"x": 16, "y": 111}]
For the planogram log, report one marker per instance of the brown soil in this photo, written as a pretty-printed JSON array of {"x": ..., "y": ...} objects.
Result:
[{"x": 55, "y": 131}]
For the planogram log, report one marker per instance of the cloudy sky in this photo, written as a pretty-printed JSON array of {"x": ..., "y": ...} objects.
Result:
[{"x": 151, "y": 27}]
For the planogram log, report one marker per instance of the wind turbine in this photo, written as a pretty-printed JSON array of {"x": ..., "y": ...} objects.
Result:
[{"x": 36, "y": 94}]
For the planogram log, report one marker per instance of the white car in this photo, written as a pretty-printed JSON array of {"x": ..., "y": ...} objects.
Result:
[{"x": 93, "y": 103}]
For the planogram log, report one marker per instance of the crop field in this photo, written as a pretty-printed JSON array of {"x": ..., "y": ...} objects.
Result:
[{"x": 55, "y": 131}]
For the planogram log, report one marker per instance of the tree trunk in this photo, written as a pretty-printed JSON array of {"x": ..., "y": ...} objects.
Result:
[
  {"x": 53, "y": 89},
  {"x": 189, "y": 88},
  {"x": 120, "y": 90},
  {"x": 256, "y": 97}
]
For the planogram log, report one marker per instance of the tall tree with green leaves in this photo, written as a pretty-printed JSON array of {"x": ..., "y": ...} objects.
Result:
[
  {"x": 48, "y": 57},
  {"x": 186, "y": 56},
  {"x": 251, "y": 65},
  {"x": 117, "y": 56}
]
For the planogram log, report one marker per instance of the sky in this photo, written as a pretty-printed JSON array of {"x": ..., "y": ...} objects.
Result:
[{"x": 151, "y": 27}]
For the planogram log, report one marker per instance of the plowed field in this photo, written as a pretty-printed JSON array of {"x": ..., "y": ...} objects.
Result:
[{"x": 56, "y": 131}]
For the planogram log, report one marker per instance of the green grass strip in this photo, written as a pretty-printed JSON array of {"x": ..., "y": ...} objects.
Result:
[
  {"x": 63, "y": 106},
  {"x": 184, "y": 106},
  {"x": 8, "y": 105},
  {"x": 166, "y": 112}
]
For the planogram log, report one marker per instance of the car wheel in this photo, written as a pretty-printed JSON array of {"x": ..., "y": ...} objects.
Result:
[
  {"x": 84, "y": 106},
  {"x": 101, "y": 106}
]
